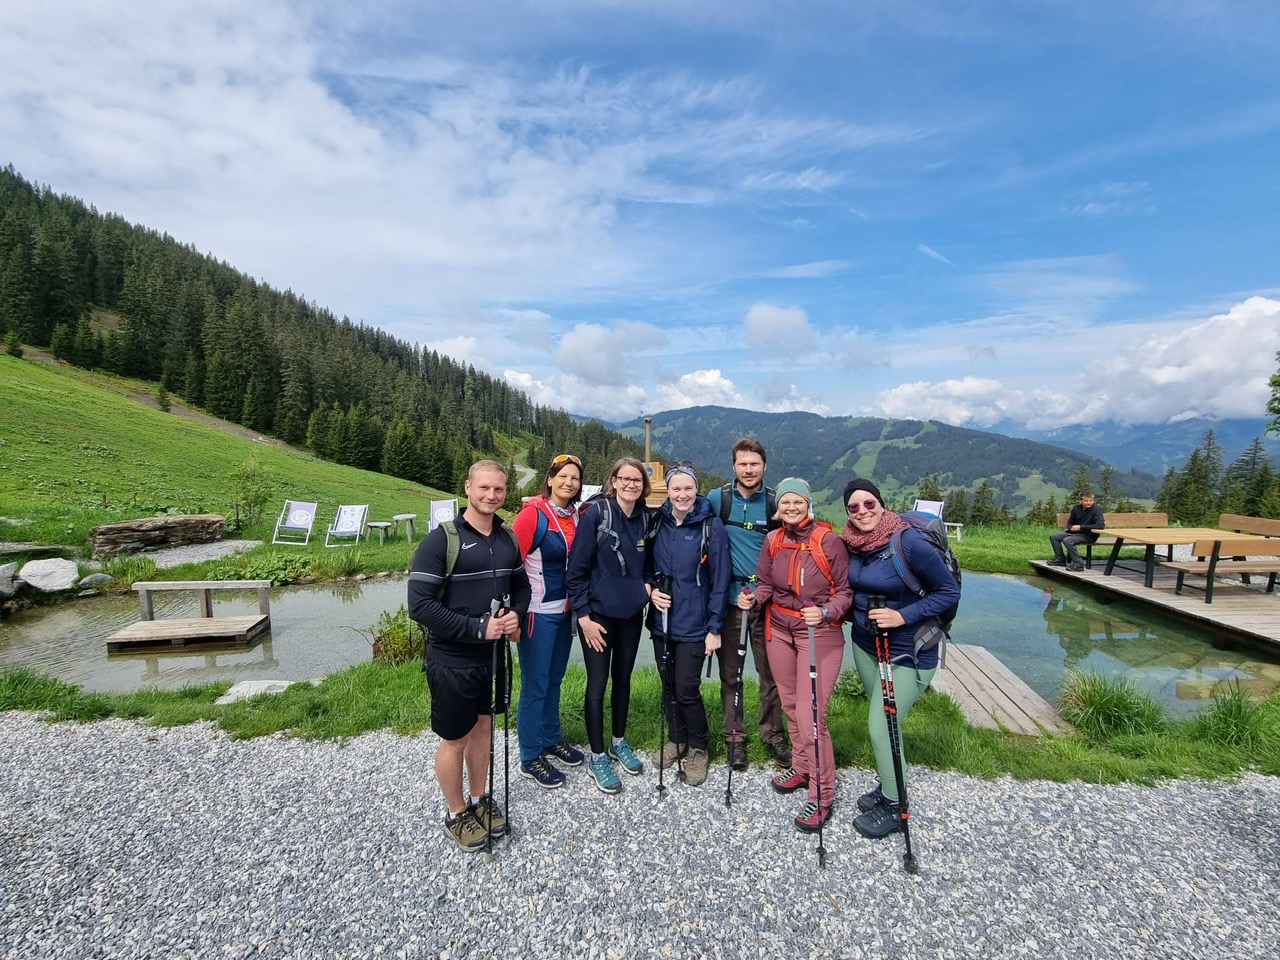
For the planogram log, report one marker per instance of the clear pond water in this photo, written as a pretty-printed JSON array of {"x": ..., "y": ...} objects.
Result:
[{"x": 1038, "y": 628}]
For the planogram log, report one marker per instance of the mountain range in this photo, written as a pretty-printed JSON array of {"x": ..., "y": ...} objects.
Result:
[{"x": 828, "y": 451}]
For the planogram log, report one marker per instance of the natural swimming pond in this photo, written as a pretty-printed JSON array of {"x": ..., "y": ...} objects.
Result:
[{"x": 1037, "y": 628}]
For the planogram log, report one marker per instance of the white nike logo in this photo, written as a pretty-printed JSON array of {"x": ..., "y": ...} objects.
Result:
[{"x": 467, "y": 546}]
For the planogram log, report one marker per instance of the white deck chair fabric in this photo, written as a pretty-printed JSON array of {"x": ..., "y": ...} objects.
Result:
[
  {"x": 348, "y": 525},
  {"x": 442, "y": 511},
  {"x": 930, "y": 506},
  {"x": 295, "y": 522}
]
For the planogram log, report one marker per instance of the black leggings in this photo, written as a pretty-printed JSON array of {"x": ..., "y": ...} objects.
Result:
[
  {"x": 682, "y": 692},
  {"x": 618, "y": 658}
]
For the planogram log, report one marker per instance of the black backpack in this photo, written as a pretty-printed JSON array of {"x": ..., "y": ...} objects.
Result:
[
  {"x": 606, "y": 533},
  {"x": 770, "y": 508}
]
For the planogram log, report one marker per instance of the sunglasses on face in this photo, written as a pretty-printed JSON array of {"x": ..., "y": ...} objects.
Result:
[
  {"x": 866, "y": 505},
  {"x": 567, "y": 458}
]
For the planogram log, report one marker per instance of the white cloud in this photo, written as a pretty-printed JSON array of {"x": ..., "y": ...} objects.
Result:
[
  {"x": 813, "y": 179},
  {"x": 1107, "y": 197},
  {"x": 785, "y": 329},
  {"x": 816, "y": 269},
  {"x": 928, "y": 251},
  {"x": 698, "y": 388},
  {"x": 594, "y": 353},
  {"x": 612, "y": 402}
]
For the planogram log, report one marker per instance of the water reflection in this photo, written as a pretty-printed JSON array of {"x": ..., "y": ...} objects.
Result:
[{"x": 1039, "y": 629}]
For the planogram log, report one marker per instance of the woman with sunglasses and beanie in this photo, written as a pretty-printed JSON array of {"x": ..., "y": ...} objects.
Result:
[
  {"x": 884, "y": 602},
  {"x": 687, "y": 570},
  {"x": 545, "y": 529},
  {"x": 803, "y": 581},
  {"x": 607, "y": 595}
]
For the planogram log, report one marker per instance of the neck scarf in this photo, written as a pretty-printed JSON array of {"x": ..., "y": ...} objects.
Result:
[{"x": 875, "y": 538}]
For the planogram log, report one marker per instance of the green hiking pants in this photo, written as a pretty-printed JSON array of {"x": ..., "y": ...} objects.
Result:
[{"x": 908, "y": 683}]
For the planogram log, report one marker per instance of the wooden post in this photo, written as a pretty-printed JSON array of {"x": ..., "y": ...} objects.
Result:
[
  {"x": 264, "y": 601},
  {"x": 148, "y": 611},
  {"x": 206, "y": 604}
]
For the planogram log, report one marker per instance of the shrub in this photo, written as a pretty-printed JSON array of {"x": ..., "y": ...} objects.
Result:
[
  {"x": 339, "y": 563},
  {"x": 1103, "y": 708},
  {"x": 849, "y": 686},
  {"x": 129, "y": 570},
  {"x": 272, "y": 565},
  {"x": 396, "y": 638}
]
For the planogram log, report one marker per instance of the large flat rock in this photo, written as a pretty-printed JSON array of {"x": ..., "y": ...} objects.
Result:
[{"x": 153, "y": 533}]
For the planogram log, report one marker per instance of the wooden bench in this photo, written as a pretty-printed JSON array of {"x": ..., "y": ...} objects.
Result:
[
  {"x": 1226, "y": 557},
  {"x": 204, "y": 629},
  {"x": 1117, "y": 520},
  {"x": 1259, "y": 526}
]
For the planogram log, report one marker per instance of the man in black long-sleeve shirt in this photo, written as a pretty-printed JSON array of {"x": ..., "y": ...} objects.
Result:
[
  {"x": 1082, "y": 527},
  {"x": 455, "y": 610}
]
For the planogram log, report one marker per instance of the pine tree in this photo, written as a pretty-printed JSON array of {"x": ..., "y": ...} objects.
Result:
[
  {"x": 12, "y": 345},
  {"x": 956, "y": 507},
  {"x": 1213, "y": 460},
  {"x": 1080, "y": 483},
  {"x": 400, "y": 450},
  {"x": 1106, "y": 487},
  {"x": 63, "y": 342},
  {"x": 84, "y": 347},
  {"x": 983, "y": 512},
  {"x": 927, "y": 488}
]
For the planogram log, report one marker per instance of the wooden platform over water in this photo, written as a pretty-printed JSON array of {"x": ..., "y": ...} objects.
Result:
[
  {"x": 179, "y": 633},
  {"x": 1238, "y": 612},
  {"x": 991, "y": 696}
]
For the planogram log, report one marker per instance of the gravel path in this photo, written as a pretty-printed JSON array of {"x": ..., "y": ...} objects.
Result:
[{"x": 123, "y": 840}]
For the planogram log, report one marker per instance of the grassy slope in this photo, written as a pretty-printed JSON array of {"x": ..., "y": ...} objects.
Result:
[{"x": 70, "y": 438}]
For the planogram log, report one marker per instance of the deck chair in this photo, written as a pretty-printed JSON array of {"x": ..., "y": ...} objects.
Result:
[
  {"x": 442, "y": 510},
  {"x": 294, "y": 525},
  {"x": 930, "y": 506},
  {"x": 347, "y": 526}
]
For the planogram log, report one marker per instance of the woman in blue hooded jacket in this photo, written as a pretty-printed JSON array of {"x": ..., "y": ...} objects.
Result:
[
  {"x": 687, "y": 570},
  {"x": 882, "y": 600}
]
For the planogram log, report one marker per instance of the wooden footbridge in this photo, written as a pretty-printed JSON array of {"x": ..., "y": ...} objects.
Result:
[
  {"x": 200, "y": 631},
  {"x": 991, "y": 696}
]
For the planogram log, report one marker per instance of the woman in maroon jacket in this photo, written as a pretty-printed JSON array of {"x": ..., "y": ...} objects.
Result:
[{"x": 803, "y": 574}]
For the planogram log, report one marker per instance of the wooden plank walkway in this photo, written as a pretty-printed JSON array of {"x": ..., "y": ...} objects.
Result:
[
  {"x": 178, "y": 633},
  {"x": 991, "y": 696},
  {"x": 1237, "y": 612}
]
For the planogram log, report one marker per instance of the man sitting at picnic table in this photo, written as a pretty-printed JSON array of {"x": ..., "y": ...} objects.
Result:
[{"x": 1083, "y": 524}]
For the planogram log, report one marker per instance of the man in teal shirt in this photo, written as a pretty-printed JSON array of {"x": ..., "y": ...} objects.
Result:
[{"x": 747, "y": 507}]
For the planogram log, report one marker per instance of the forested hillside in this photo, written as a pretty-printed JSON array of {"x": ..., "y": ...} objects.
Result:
[
  {"x": 101, "y": 292},
  {"x": 895, "y": 453}
]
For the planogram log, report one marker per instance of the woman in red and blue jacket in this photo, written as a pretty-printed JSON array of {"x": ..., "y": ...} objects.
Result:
[{"x": 545, "y": 528}]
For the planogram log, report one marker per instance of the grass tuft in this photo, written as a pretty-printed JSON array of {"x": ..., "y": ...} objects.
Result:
[{"x": 1102, "y": 707}]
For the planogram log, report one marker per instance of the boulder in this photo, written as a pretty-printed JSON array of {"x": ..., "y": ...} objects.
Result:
[
  {"x": 96, "y": 580},
  {"x": 153, "y": 533},
  {"x": 50, "y": 576},
  {"x": 7, "y": 586}
]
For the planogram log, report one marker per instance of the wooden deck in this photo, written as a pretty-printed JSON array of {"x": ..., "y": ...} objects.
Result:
[
  {"x": 991, "y": 696},
  {"x": 178, "y": 633},
  {"x": 1238, "y": 612}
]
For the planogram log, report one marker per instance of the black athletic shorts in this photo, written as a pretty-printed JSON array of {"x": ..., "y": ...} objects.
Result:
[{"x": 461, "y": 695}]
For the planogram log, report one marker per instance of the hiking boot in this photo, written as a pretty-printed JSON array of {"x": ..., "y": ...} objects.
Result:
[
  {"x": 601, "y": 768},
  {"x": 569, "y": 756},
  {"x": 880, "y": 821},
  {"x": 808, "y": 821},
  {"x": 465, "y": 831},
  {"x": 789, "y": 781},
  {"x": 695, "y": 768},
  {"x": 544, "y": 773},
  {"x": 622, "y": 752},
  {"x": 780, "y": 753},
  {"x": 737, "y": 754},
  {"x": 490, "y": 818},
  {"x": 1075, "y": 567},
  {"x": 670, "y": 754},
  {"x": 871, "y": 798},
  {"x": 1055, "y": 562}
]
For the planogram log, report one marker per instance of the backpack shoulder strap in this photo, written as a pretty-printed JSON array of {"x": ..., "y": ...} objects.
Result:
[
  {"x": 773, "y": 540},
  {"x": 453, "y": 546},
  {"x": 726, "y": 502},
  {"x": 770, "y": 508},
  {"x": 900, "y": 563},
  {"x": 820, "y": 530},
  {"x": 539, "y": 531},
  {"x": 515, "y": 541},
  {"x": 604, "y": 526}
]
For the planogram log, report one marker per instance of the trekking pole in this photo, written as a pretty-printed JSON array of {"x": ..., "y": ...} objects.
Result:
[
  {"x": 739, "y": 734},
  {"x": 494, "y": 609},
  {"x": 817, "y": 763},
  {"x": 506, "y": 725},
  {"x": 661, "y": 580},
  {"x": 895, "y": 734}
]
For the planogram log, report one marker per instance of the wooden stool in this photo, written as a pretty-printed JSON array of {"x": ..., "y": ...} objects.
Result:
[
  {"x": 382, "y": 526},
  {"x": 408, "y": 519}
]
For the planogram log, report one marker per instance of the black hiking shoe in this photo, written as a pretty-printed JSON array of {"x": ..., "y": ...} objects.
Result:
[
  {"x": 780, "y": 753},
  {"x": 1075, "y": 567},
  {"x": 1055, "y": 562},
  {"x": 880, "y": 821},
  {"x": 872, "y": 798},
  {"x": 737, "y": 753}
]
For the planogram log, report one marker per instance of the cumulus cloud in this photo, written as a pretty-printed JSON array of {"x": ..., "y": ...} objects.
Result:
[
  {"x": 609, "y": 402},
  {"x": 769, "y": 323},
  {"x": 698, "y": 388},
  {"x": 590, "y": 351}
]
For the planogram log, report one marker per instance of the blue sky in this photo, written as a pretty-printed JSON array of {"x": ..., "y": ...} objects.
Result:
[{"x": 1042, "y": 212}]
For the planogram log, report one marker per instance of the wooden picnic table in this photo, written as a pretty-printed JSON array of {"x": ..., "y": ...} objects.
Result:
[{"x": 1152, "y": 537}]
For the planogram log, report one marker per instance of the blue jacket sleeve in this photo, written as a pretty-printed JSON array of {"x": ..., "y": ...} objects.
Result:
[
  {"x": 721, "y": 571},
  {"x": 582, "y": 559}
]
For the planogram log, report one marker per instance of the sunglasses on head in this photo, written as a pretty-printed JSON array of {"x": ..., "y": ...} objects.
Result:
[
  {"x": 567, "y": 458},
  {"x": 866, "y": 505},
  {"x": 672, "y": 464}
]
